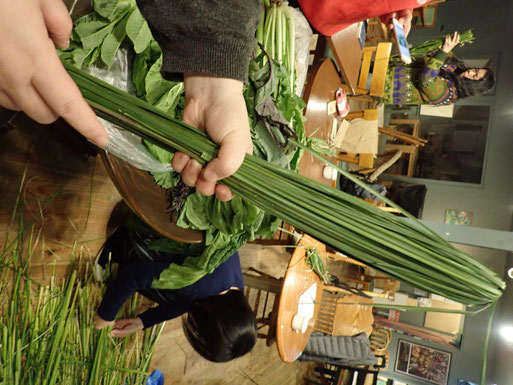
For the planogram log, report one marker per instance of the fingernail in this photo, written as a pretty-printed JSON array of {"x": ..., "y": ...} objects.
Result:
[{"x": 210, "y": 176}]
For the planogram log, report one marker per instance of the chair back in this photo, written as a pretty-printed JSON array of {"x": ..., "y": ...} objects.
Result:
[
  {"x": 380, "y": 56},
  {"x": 380, "y": 339},
  {"x": 263, "y": 295},
  {"x": 326, "y": 316},
  {"x": 376, "y": 31}
]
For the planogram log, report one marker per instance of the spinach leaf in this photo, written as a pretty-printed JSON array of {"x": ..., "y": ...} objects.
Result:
[
  {"x": 112, "y": 42},
  {"x": 138, "y": 31},
  {"x": 112, "y": 9},
  {"x": 155, "y": 84},
  {"x": 142, "y": 63},
  {"x": 170, "y": 99},
  {"x": 88, "y": 28},
  {"x": 165, "y": 179}
]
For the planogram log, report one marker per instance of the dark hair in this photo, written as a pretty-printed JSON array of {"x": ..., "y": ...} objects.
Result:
[
  {"x": 467, "y": 87},
  {"x": 221, "y": 327}
]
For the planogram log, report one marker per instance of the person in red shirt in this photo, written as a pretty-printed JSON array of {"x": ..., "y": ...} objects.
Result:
[{"x": 330, "y": 16}]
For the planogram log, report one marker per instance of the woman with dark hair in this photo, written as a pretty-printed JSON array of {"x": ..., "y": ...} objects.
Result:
[
  {"x": 220, "y": 324},
  {"x": 438, "y": 80}
]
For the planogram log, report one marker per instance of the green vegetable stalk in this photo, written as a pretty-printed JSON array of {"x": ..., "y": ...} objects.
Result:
[{"x": 408, "y": 252}]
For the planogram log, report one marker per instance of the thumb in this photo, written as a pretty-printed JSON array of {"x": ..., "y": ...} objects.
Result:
[
  {"x": 229, "y": 159},
  {"x": 58, "y": 22}
]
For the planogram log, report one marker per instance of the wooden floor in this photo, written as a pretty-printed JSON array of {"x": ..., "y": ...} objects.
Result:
[{"x": 51, "y": 177}]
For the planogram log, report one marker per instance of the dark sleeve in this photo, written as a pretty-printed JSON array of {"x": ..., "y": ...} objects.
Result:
[
  {"x": 161, "y": 313},
  {"x": 214, "y": 37},
  {"x": 130, "y": 278}
]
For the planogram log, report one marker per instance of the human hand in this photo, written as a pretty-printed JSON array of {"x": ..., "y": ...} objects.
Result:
[
  {"x": 32, "y": 78},
  {"x": 216, "y": 106},
  {"x": 451, "y": 41},
  {"x": 100, "y": 323},
  {"x": 125, "y": 327},
  {"x": 404, "y": 18}
]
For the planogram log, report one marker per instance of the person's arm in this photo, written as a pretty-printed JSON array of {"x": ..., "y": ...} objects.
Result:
[
  {"x": 32, "y": 78},
  {"x": 209, "y": 43},
  {"x": 433, "y": 87},
  {"x": 160, "y": 313},
  {"x": 129, "y": 279}
]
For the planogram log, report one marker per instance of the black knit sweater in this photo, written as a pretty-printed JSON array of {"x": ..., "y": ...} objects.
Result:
[{"x": 214, "y": 37}]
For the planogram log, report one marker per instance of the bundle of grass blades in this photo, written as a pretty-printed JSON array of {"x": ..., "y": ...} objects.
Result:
[
  {"x": 408, "y": 252},
  {"x": 47, "y": 334},
  {"x": 429, "y": 46}
]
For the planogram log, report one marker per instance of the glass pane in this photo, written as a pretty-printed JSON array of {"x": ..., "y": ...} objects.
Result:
[{"x": 455, "y": 145}]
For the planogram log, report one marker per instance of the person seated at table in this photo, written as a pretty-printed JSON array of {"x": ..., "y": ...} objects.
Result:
[
  {"x": 219, "y": 323},
  {"x": 331, "y": 16},
  {"x": 440, "y": 79}
]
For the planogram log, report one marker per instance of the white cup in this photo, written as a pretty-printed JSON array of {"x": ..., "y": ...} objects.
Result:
[
  {"x": 299, "y": 323},
  {"x": 329, "y": 172}
]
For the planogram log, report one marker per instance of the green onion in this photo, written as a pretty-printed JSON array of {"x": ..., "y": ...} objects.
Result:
[{"x": 408, "y": 252}]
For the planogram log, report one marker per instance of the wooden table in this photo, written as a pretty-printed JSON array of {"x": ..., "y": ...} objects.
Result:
[
  {"x": 347, "y": 51},
  {"x": 146, "y": 199},
  {"x": 298, "y": 278},
  {"x": 318, "y": 93}
]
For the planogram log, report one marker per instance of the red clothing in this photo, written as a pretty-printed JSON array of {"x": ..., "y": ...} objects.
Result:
[{"x": 330, "y": 16}]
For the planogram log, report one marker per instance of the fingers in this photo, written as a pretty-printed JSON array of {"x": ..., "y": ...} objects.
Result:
[
  {"x": 121, "y": 333},
  {"x": 62, "y": 95},
  {"x": 125, "y": 327},
  {"x": 58, "y": 22},
  {"x": 29, "y": 100},
  {"x": 121, "y": 323},
  {"x": 7, "y": 102}
]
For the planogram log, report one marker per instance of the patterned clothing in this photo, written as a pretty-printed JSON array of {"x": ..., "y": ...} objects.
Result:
[{"x": 419, "y": 83}]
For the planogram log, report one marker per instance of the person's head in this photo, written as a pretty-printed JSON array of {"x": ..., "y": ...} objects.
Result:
[
  {"x": 222, "y": 327},
  {"x": 469, "y": 81}
]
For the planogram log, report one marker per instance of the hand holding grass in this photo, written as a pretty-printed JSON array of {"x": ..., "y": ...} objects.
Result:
[
  {"x": 32, "y": 78},
  {"x": 125, "y": 327},
  {"x": 451, "y": 41},
  {"x": 216, "y": 106}
]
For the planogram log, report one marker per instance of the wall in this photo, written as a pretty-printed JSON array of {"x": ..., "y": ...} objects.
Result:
[{"x": 491, "y": 202}]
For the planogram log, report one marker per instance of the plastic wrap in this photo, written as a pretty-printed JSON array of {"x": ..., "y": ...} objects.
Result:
[
  {"x": 302, "y": 48},
  {"x": 124, "y": 144}
]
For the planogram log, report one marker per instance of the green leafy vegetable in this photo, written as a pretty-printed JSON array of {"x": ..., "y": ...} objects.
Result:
[{"x": 138, "y": 31}]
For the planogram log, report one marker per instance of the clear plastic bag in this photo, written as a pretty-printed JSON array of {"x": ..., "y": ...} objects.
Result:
[
  {"x": 123, "y": 144},
  {"x": 302, "y": 47}
]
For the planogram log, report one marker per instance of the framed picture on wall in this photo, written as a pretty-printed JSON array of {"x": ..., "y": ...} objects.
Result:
[{"x": 423, "y": 362}]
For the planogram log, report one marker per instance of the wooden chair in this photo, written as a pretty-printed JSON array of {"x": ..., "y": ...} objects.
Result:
[
  {"x": 335, "y": 374},
  {"x": 406, "y": 131},
  {"x": 363, "y": 279},
  {"x": 263, "y": 295},
  {"x": 425, "y": 16},
  {"x": 377, "y": 32},
  {"x": 380, "y": 56},
  {"x": 380, "y": 338},
  {"x": 343, "y": 314},
  {"x": 365, "y": 161}
]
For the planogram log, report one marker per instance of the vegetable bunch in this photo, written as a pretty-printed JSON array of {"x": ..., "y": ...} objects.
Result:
[
  {"x": 275, "y": 116},
  {"x": 47, "y": 334},
  {"x": 429, "y": 46},
  {"x": 408, "y": 252}
]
